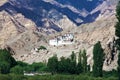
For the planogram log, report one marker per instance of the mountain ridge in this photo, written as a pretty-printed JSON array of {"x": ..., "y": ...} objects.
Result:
[
  {"x": 80, "y": 15},
  {"x": 27, "y": 25}
]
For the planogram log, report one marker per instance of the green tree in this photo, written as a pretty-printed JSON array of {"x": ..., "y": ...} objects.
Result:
[
  {"x": 4, "y": 67},
  {"x": 17, "y": 70},
  {"x": 29, "y": 68},
  {"x": 73, "y": 56},
  {"x": 6, "y": 61},
  {"x": 79, "y": 65},
  {"x": 64, "y": 65},
  {"x": 73, "y": 63},
  {"x": 53, "y": 64},
  {"x": 22, "y": 64},
  {"x": 38, "y": 66},
  {"x": 34, "y": 67},
  {"x": 84, "y": 62},
  {"x": 117, "y": 33},
  {"x": 98, "y": 57},
  {"x": 119, "y": 65},
  {"x": 88, "y": 68}
]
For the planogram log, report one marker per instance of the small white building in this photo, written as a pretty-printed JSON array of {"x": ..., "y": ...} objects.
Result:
[{"x": 62, "y": 40}]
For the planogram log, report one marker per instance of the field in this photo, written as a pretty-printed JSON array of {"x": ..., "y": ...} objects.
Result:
[{"x": 54, "y": 77}]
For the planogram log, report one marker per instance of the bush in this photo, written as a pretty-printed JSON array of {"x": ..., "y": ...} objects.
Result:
[
  {"x": 17, "y": 70},
  {"x": 18, "y": 77},
  {"x": 53, "y": 64},
  {"x": 109, "y": 73},
  {"x": 42, "y": 48},
  {"x": 36, "y": 67},
  {"x": 22, "y": 64},
  {"x": 5, "y": 77},
  {"x": 4, "y": 67},
  {"x": 6, "y": 61}
]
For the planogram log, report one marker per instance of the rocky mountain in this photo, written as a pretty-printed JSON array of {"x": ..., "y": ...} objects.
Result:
[
  {"x": 51, "y": 11},
  {"x": 25, "y": 25}
]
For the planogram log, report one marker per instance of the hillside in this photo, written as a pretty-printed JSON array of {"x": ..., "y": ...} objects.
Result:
[{"x": 27, "y": 25}]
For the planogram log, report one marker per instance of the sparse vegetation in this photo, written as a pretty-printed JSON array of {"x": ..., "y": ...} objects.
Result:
[{"x": 42, "y": 48}]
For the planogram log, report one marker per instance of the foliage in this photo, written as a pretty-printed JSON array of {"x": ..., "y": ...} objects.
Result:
[
  {"x": 42, "y": 48},
  {"x": 73, "y": 56},
  {"x": 4, "y": 67},
  {"x": 53, "y": 77},
  {"x": 34, "y": 67},
  {"x": 17, "y": 70},
  {"x": 22, "y": 64},
  {"x": 18, "y": 77},
  {"x": 119, "y": 65},
  {"x": 73, "y": 63},
  {"x": 69, "y": 65},
  {"x": 53, "y": 64},
  {"x": 112, "y": 73},
  {"x": 117, "y": 33},
  {"x": 5, "y": 77},
  {"x": 79, "y": 68},
  {"x": 6, "y": 61},
  {"x": 38, "y": 66},
  {"x": 63, "y": 65},
  {"x": 79, "y": 65},
  {"x": 98, "y": 57},
  {"x": 84, "y": 62},
  {"x": 66, "y": 66}
]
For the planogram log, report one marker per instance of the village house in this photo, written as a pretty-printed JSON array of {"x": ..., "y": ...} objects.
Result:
[{"x": 62, "y": 40}]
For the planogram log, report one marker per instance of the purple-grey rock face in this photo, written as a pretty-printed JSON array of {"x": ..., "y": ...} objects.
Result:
[{"x": 40, "y": 11}]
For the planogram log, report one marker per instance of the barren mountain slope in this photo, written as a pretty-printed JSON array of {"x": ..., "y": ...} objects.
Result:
[
  {"x": 20, "y": 33},
  {"x": 85, "y": 38}
]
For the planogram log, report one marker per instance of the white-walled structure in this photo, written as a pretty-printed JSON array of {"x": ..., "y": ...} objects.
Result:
[{"x": 62, "y": 40}]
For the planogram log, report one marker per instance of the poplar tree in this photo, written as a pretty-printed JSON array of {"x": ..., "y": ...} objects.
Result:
[
  {"x": 117, "y": 33},
  {"x": 84, "y": 61},
  {"x": 98, "y": 57},
  {"x": 73, "y": 63},
  {"x": 79, "y": 65},
  {"x": 53, "y": 64}
]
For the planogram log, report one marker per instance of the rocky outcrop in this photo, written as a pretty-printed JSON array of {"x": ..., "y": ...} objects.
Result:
[
  {"x": 111, "y": 55},
  {"x": 7, "y": 28}
]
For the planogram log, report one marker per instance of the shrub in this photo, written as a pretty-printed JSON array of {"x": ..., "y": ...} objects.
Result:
[
  {"x": 17, "y": 70},
  {"x": 6, "y": 61},
  {"x": 42, "y": 48}
]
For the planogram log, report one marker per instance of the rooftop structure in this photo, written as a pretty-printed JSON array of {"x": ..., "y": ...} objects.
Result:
[{"x": 62, "y": 40}]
